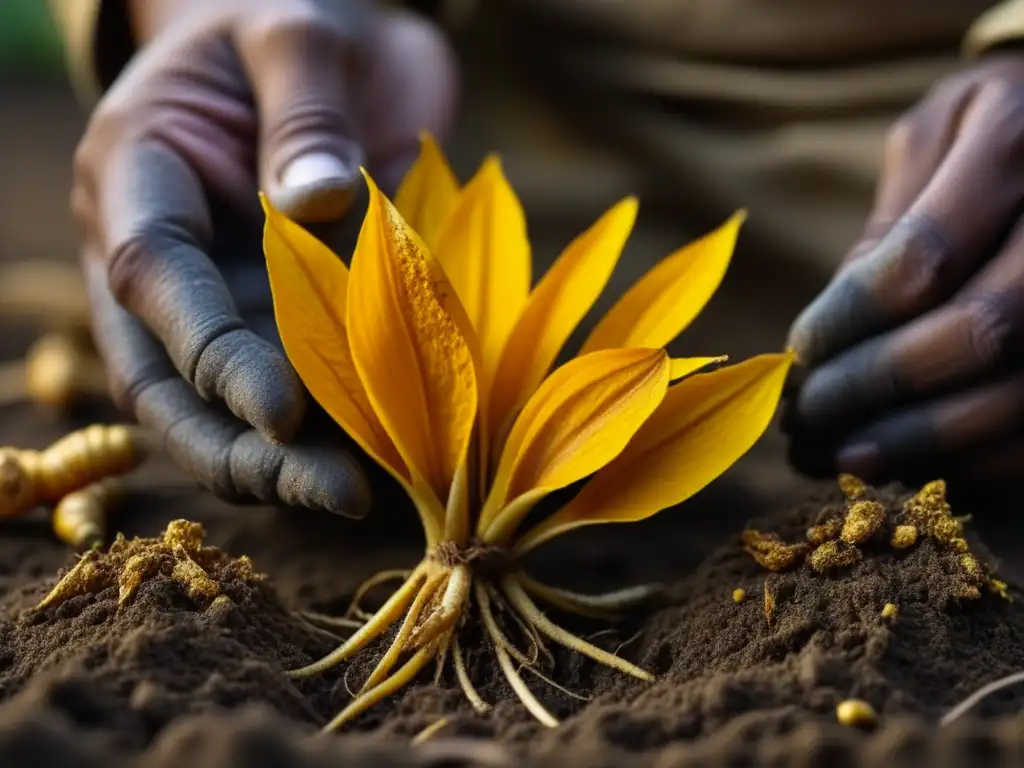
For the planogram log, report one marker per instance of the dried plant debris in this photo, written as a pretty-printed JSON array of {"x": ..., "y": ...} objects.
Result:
[
  {"x": 832, "y": 555},
  {"x": 771, "y": 552},
  {"x": 178, "y": 555},
  {"x": 843, "y": 537}
]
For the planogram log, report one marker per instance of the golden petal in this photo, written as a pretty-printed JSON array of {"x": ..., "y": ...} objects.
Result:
[
  {"x": 309, "y": 286},
  {"x": 413, "y": 347},
  {"x": 554, "y": 309},
  {"x": 702, "y": 427},
  {"x": 580, "y": 418},
  {"x": 429, "y": 192},
  {"x": 486, "y": 255},
  {"x": 668, "y": 298}
]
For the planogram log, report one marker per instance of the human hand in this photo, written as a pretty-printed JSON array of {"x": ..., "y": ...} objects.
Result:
[
  {"x": 913, "y": 351},
  {"x": 288, "y": 96}
]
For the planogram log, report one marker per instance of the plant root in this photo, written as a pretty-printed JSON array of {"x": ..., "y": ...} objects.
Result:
[
  {"x": 354, "y": 608},
  {"x": 374, "y": 627},
  {"x": 609, "y": 605},
  {"x": 431, "y": 608},
  {"x": 528, "y": 610},
  {"x": 470, "y": 691},
  {"x": 980, "y": 695}
]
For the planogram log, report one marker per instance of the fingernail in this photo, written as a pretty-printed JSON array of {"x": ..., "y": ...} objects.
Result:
[
  {"x": 859, "y": 459},
  {"x": 317, "y": 168}
]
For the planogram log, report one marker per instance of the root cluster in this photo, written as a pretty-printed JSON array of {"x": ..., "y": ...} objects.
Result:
[{"x": 433, "y": 604}]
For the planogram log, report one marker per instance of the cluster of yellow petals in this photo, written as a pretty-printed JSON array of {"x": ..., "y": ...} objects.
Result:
[{"x": 434, "y": 353}]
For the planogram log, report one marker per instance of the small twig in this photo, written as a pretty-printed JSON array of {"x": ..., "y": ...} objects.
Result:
[{"x": 979, "y": 695}]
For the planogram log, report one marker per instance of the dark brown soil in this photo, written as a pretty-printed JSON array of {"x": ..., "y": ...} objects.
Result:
[{"x": 170, "y": 679}]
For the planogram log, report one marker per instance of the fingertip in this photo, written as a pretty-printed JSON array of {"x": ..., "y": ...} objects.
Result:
[
  {"x": 317, "y": 187},
  {"x": 255, "y": 381},
  {"x": 324, "y": 479}
]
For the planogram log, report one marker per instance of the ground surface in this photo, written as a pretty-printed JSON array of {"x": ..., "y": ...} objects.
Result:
[{"x": 169, "y": 680}]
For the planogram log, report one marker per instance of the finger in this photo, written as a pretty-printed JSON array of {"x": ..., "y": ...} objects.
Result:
[
  {"x": 979, "y": 333},
  {"x": 923, "y": 438},
  {"x": 410, "y": 86},
  {"x": 914, "y": 148},
  {"x": 944, "y": 236},
  {"x": 300, "y": 60},
  {"x": 234, "y": 462},
  {"x": 155, "y": 235}
]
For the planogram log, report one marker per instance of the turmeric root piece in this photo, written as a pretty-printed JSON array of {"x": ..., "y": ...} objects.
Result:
[
  {"x": 826, "y": 531},
  {"x": 29, "y": 478},
  {"x": 80, "y": 518},
  {"x": 853, "y": 487},
  {"x": 903, "y": 537}
]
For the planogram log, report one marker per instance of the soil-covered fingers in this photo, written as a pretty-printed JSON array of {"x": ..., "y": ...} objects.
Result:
[
  {"x": 961, "y": 436},
  {"x": 155, "y": 236},
  {"x": 976, "y": 335},
  {"x": 967, "y": 202},
  {"x": 234, "y": 461}
]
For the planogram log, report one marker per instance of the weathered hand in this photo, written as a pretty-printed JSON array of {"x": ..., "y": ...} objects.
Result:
[
  {"x": 914, "y": 350},
  {"x": 290, "y": 96}
]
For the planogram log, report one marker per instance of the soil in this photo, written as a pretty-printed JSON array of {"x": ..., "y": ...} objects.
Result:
[{"x": 176, "y": 673}]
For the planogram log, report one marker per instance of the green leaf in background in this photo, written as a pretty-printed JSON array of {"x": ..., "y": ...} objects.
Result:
[{"x": 29, "y": 42}]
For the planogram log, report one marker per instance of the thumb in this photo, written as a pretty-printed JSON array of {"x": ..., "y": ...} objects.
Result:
[{"x": 300, "y": 59}]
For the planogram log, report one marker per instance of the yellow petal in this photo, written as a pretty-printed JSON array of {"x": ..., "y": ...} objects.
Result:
[
  {"x": 429, "y": 192},
  {"x": 668, "y": 298},
  {"x": 309, "y": 286},
  {"x": 703, "y": 426},
  {"x": 554, "y": 309},
  {"x": 581, "y": 417},
  {"x": 411, "y": 344},
  {"x": 680, "y": 367},
  {"x": 486, "y": 255}
]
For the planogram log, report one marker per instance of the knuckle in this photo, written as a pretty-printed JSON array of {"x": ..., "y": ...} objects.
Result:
[
  {"x": 307, "y": 115},
  {"x": 990, "y": 329},
  {"x": 914, "y": 267},
  {"x": 136, "y": 258},
  {"x": 294, "y": 26},
  {"x": 903, "y": 137}
]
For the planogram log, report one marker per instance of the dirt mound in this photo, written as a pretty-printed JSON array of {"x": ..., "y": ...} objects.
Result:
[
  {"x": 135, "y": 637},
  {"x": 189, "y": 665}
]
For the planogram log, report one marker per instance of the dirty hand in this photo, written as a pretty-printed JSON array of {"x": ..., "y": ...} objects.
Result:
[
  {"x": 288, "y": 96},
  {"x": 914, "y": 350}
]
